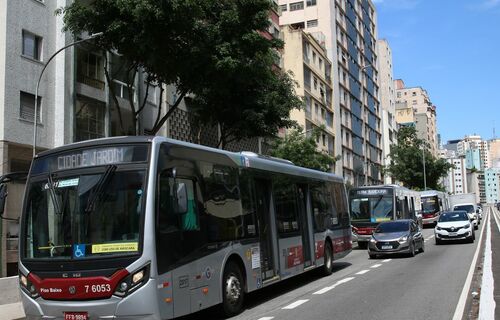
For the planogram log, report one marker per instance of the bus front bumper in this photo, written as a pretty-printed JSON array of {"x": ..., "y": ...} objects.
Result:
[{"x": 134, "y": 306}]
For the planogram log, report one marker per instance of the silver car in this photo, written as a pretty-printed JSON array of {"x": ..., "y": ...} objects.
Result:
[{"x": 392, "y": 237}]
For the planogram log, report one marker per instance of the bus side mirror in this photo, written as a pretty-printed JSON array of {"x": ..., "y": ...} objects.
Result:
[{"x": 181, "y": 203}]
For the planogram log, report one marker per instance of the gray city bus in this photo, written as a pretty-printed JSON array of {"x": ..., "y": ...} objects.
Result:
[{"x": 154, "y": 228}]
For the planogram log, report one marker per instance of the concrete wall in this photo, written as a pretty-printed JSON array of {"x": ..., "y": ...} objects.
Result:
[{"x": 9, "y": 287}]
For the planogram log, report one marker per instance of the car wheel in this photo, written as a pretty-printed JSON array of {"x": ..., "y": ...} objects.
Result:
[
  {"x": 471, "y": 239},
  {"x": 233, "y": 290},
  {"x": 328, "y": 260},
  {"x": 421, "y": 250},
  {"x": 372, "y": 255},
  {"x": 412, "y": 249},
  {"x": 476, "y": 227},
  {"x": 438, "y": 242},
  {"x": 362, "y": 245}
]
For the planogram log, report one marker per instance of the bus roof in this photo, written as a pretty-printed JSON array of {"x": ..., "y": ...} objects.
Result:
[
  {"x": 430, "y": 193},
  {"x": 382, "y": 186},
  {"x": 241, "y": 159}
]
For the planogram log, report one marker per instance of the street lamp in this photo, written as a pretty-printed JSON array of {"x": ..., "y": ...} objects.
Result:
[
  {"x": 423, "y": 161},
  {"x": 92, "y": 36}
]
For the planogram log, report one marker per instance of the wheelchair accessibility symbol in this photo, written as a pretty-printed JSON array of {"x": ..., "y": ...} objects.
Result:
[{"x": 78, "y": 251}]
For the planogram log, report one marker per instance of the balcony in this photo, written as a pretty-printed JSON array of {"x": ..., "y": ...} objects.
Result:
[{"x": 95, "y": 83}]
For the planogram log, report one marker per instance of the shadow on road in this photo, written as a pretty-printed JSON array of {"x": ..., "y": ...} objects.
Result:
[{"x": 258, "y": 297}]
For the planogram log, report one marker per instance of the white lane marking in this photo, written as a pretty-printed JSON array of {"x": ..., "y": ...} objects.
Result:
[
  {"x": 376, "y": 266},
  {"x": 362, "y": 272},
  {"x": 295, "y": 304},
  {"x": 429, "y": 238},
  {"x": 487, "y": 301},
  {"x": 324, "y": 290},
  {"x": 387, "y": 260},
  {"x": 495, "y": 213},
  {"x": 266, "y": 318},
  {"x": 459, "y": 310}
]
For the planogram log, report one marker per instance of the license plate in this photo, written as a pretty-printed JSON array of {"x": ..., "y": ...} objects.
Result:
[
  {"x": 386, "y": 247},
  {"x": 452, "y": 234},
  {"x": 76, "y": 316}
]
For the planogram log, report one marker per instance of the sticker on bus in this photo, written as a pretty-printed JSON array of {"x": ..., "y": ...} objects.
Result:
[{"x": 115, "y": 247}]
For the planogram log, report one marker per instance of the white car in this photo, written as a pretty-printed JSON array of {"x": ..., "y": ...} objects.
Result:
[
  {"x": 454, "y": 225},
  {"x": 471, "y": 211}
]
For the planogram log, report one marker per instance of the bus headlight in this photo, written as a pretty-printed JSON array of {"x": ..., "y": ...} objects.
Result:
[
  {"x": 132, "y": 282},
  {"x": 27, "y": 286}
]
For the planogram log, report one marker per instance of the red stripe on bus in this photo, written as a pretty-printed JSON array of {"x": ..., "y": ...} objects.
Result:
[{"x": 77, "y": 288}]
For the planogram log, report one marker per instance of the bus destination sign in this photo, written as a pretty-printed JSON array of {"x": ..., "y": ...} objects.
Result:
[
  {"x": 372, "y": 192},
  {"x": 92, "y": 157}
]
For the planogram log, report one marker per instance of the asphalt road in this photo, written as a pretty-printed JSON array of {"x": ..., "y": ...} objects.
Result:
[{"x": 427, "y": 286}]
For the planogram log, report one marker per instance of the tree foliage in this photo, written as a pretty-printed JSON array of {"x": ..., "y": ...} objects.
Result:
[
  {"x": 302, "y": 150},
  {"x": 407, "y": 163},
  {"x": 210, "y": 50}
]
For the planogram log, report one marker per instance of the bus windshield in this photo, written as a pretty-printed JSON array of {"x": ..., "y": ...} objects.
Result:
[
  {"x": 372, "y": 209},
  {"x": 430, "y": 204},
  {"x": 84, "y": 216}
]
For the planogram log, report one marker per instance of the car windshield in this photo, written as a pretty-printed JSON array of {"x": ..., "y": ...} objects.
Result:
[
  {"x": 83, "y": 216},
  {"x": 372, "y": 209},
  {"x": 430, "y": 204},
  {"x": 466, "y": 207},
  {"x": 453, "y": 216},
  {"x": 400, "y": 226}
]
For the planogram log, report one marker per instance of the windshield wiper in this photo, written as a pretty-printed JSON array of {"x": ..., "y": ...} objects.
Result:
[
  {"x": 96, "y": 193},
  {"x": 53, "y": 195}
]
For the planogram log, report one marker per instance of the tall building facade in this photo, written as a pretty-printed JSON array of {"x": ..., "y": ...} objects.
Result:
[
  {"x": 387, "y": 102},
  {"x": 494, "y": 151},
  {"x": 473, "y": 159},
  {"x": 350, "y": 30},
  {"x": 456, "y": 180},
  {"x": 492, "y": 185},
  {"x": 312, "y": 71},
  {"x": 414, "y": 108},
  {"x": 475, "y": 142}
]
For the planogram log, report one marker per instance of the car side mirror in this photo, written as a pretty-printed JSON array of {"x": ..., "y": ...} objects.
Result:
[{"x": 477, "y": 210}]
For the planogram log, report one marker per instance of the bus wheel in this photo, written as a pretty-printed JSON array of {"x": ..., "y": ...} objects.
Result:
[
  {"x": 328, "y": 260},
  {"x": 233, "y": 291}
]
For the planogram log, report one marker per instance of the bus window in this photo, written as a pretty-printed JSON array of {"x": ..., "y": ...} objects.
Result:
[
  {"x": 323, "y": 209},
  {"x": 340, "y": 204},
  {"x": 285, "y": 194}
]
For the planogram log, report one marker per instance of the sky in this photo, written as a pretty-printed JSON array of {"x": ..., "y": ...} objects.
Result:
[{"x": 451, "y": 48}]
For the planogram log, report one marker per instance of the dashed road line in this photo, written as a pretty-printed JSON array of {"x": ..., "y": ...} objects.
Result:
[
  {"x": 429, "y": 238},
  {"x": 295, "y": 304},
  {"x": 387, "y": 260},
  {"x": 376, "y": 266},
  {"x": 362, "y": 272},
  {"x": 266, "y": 318},
  {"x": 324, "y": 290}
]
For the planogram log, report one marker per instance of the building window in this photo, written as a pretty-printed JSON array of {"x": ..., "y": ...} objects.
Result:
[
  {"x": 90, "y": 69},
  {"x": 283, "y": 8},
  {"x": 27, "y": 107},
  {"x": 311, "y": 3},
  {"x": 296, "y": 6},
  {"x": 32, "y": 46},
  {"x": 312, "y": 23},
  {"x": 89, "y": 119}
]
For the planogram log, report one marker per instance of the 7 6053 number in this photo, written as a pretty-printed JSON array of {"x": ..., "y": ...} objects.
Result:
[{"x": 97, "y": 288}]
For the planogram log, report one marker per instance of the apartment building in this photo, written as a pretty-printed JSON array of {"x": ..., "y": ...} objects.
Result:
[
  {"x": 492, "y": 185},
  {"x": 75, "y": 102},
  {"x": 475, "y": 142},
  {"x": 473, "y": 159},
  {"x": 387, "y": 102},
  {"x": 312, "y": 71},
  {"x": 350, "y": 30},
  {"x": 456, "y": 180},
  {"x": 414, "y": 108}
]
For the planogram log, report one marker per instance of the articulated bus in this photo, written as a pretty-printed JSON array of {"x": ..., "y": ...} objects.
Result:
[
  {"x": 433, "y": 203},
  {"x": 153, "y": 228},
  {"x": 374, "y": 204}
]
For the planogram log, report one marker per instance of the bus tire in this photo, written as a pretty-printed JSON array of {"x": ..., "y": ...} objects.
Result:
[
  {"x": 233, "y": 290},
  {"x": 362, "y": 244},
  {"x": 327, "y": 268}
]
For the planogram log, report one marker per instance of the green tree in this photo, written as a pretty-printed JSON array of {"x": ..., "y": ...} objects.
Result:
[
  {"x": 407, "y": 163},
  {"x": 210, "y": 50},
  {"x": 302, "y": 150}
]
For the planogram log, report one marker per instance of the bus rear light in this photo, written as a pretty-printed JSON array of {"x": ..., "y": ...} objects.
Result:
[
  {"x": 168, "y": 300},
  {"x": 204, "y": 290},
  {"x": 132, "y": 282},
  {"x": 28, "y": 286}
]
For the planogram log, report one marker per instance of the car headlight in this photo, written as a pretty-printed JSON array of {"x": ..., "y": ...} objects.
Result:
[
  {"x": 438, "y": 228},
  {"x": 403, "y": 239},
  {"x": 372, "y": 240},
  {"x": 467, "y": 226}
]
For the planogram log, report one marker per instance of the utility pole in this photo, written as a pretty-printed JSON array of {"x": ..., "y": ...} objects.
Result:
[{"x": 423, "y": 162}]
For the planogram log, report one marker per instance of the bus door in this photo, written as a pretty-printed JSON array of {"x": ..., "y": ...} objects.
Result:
[
  {"x": 305, "y": 224},
  {"x": 267, "y": 229}
]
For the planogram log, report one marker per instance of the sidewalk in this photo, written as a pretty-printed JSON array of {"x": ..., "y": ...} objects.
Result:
[{"x": 12, "y": 311}]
